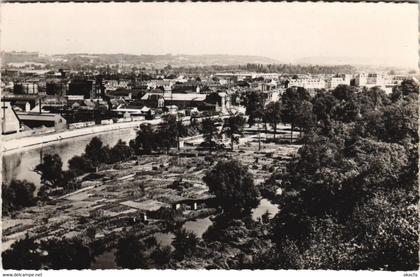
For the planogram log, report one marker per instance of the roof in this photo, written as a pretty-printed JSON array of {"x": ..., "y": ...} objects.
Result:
[
  {"x": 147, "y": 205},
  {"x": 37, "y": 116},
  {"x": 23, "y": 97},
  {"x": 185, "y": 97}
]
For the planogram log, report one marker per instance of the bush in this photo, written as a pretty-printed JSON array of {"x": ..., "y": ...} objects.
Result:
[{"x": 17, "y": 195}]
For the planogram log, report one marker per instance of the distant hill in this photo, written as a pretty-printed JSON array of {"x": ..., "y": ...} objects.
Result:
[
  {"x": 175, "y": 60},
  {"x": 362, "y": 63}
]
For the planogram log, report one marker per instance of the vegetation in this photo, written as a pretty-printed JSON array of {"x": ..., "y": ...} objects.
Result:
[
  {"x": 233, "y": 128},
  {"x": 296, "y": 108},
  {"x": 233, "y": 186},
  {"x": 351, "y": 194},
  {"x": 254, "y": 103},
  {"x": 273, "y": 115},
  {"x": 17, "y": 195},
  {"x": 210, "y": 132},
  {"x": 131, "y": 253},
  {"x": 185, "y": 244},
  {"x": 51, "y": 254}
]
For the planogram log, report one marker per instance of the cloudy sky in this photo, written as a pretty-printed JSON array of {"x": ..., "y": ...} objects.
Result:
[{"x": 379, "y": 34}]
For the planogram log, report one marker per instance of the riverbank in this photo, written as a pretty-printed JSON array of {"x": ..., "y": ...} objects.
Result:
[{"x": 21, "y": 143}]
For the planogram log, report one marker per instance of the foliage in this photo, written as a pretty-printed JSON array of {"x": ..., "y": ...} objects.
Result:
[
  {"x": 18, "y": 194},
  {"x": 161, "y": 256},
  {"x": 80, "y": 165},
  {"x": 120, "y": 152},
  {"x": 51, "y": 170},
  {"x": 23, "y": 254},
  {"x": 209, "y": 130},
  {"x": 349, "y": 197},
  {"x": 233, "y": 128},
  {"x": 294, "y": 106},
  {"x": 233, "y": 186},
  {"x": 66, "y": 254},
  {"x": 273, "y": 114},
  {"x": 254, "y": 104},
  {"x": 145, "y": 141},
  {"x": 131, "y": 253},
  {"x": 51, "y": 254},
  {"x": 184, "y": 243},
  {"x": 97, "y": 152}
]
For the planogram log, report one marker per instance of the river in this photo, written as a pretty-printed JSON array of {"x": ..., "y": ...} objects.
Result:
[{"x": 20, "y": 164}]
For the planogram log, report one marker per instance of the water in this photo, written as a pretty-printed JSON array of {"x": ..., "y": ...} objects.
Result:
[
  {"x": 164, "y": 239},
  {"x": 20, "y": 165},
  {"x": 264, "y": 206},
  {"x": 198, "y": 226},
  {"x": 105, "y": 261}
]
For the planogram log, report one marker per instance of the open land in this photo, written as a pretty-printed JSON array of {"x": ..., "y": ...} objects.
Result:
[{"x": 152, "y": 194}]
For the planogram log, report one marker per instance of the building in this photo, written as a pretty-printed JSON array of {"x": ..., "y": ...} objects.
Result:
[
  {"x": 339, "y": 79},
  {"x": 39, "y": 120},
  {"x": 308, "y": 83},
  {"x": 25, "y": 88},
  {"x": 21, "y": 101},
  {"x": 56, "y": 87},
  {"x": 9, "y": 120},
  {"x": 82, "y": 87},
  {"x": 370, "y": 80}
]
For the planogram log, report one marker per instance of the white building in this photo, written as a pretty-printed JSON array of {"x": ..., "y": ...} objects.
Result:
[
  {"x": 309, "y": 83},
  {"x": 370, "y": 80},
  {"x": 342, "y": 79}
]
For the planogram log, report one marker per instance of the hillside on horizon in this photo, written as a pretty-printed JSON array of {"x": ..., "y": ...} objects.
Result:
[{"x": 173, "y": 60}]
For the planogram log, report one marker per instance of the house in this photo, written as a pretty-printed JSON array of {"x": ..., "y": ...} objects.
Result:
[{"x": 38, "y": 120}]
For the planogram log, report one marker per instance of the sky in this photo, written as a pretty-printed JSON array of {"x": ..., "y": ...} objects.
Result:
[{"x": 376, "y": 33}]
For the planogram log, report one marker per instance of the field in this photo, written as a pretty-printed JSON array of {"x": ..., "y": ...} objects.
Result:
[{"x": 148, "y": 195}]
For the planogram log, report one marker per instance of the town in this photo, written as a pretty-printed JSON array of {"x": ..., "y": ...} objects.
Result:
[
  {"x": 66, "y": 94},
  {"x": 208, "y": 136},
  {"x": 208, "y": 165}
]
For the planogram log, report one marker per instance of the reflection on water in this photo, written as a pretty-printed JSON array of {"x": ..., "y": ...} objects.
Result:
[
  {"x": 198, "y": 226},
  {"x": 105, "y": 261},
  {"x": 164, "y": 239},
  {"x": 264, "y": 206},
  {"x": 20, "y": 165}
]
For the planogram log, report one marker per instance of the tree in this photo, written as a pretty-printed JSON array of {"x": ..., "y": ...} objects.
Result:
[
  {"x": 233, "y": 127},
  {"x": 146, "y": 139},
  {"x": 170, "y": 131},
  {"x": 80, "y": 165},
  {"x": 51, "y": 170},
  {"x": 66, "y": 254},
  {"x": 407, "y": 88},
  {"x": 233, "y": 186},
  {"x": 23, "y": 254},
  {"x": 272, "y": 113},
  {"x": 209, "y": 130},
  {"x": 323, "y": 104},
  {"x": 254, "y": 103},
  {"x": 120, "y": 152},
  {"x": 401, "y": 122},
  {"x": 184, "y": 243},
  {"x": 305, "y": 118},
  {"x": 292, "y": 100},
  {"x": 18, "y": 194},
  {"x": 97, "y": 152},
  {"x": 131, "y": 253},
  {"x": 344, "y": 93},
  {"x": 161, "y": 256}
]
